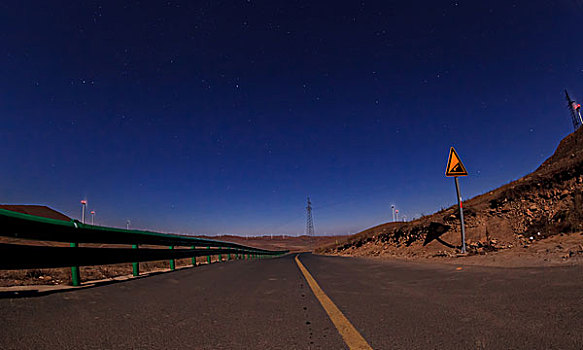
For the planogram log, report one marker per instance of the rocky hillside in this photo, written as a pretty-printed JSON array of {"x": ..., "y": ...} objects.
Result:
[{"x": 547, "y": 202}]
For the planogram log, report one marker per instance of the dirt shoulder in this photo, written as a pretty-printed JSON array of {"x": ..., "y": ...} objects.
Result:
[{"x": 559, "y": 250}]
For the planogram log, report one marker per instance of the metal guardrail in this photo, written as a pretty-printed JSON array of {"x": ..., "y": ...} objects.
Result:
[{"x": 24, "y": 226}]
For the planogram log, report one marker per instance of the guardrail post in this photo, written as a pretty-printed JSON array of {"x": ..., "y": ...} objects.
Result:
[
  {"x": 75, "y": 274},
  {"x": 135, "y": 265},
  {"x": 172, "y": 262},
  {"x": 193, "y": 258},
  {"x": 208, "y": 257}
]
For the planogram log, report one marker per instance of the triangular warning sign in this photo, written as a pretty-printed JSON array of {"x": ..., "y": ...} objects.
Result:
[{"x": 455, "y": 167}]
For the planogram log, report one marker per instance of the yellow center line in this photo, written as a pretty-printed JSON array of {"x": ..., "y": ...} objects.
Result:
[{"x": 350, "y": 335}]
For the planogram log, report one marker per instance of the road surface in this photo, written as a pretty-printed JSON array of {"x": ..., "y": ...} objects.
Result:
[{"x": 267, "y": 304}]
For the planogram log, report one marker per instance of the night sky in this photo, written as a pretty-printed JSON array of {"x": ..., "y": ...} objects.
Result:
[{"x": 213, "y": 117}]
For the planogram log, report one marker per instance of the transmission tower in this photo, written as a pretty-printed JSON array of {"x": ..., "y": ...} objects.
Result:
[
  {"x": 575, "y": 110},
  {"x": 310, "y": 220}
]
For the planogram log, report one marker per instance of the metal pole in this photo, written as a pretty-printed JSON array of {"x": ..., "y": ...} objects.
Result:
[
  {"x": 75, "y": 274},
  {"x": 193, "y": 258},
  {"x": 208, "y": 257},
  {"x": 393, "y": 209},
  {"x": 172, "y": 262},
  {"x": 460, "y": 206},
  {"x": 135, "y": 265}
]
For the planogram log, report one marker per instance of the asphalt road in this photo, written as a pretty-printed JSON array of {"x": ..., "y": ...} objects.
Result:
[{"x": 267, "y": 304}]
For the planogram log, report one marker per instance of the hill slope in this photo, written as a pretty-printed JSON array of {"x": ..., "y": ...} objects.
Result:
[
  {"x": 37, "y": 210},
  {"x": 547, "y": 202}
]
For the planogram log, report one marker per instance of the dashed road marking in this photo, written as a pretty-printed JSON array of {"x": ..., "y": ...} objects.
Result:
[{"x": 350, "y": 335}]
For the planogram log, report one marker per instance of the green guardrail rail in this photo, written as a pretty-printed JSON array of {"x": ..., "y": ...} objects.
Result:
[{"x": 30, "y": 227}]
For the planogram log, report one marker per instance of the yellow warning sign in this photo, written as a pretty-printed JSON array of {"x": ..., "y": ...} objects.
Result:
[{"x": 455, "y": 167}]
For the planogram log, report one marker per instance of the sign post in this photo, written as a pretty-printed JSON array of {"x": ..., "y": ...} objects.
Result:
[{"x": 456, "y": 168}]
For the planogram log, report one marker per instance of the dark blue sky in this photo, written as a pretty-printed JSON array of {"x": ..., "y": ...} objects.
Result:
[{"x": 222, "y": 116}]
